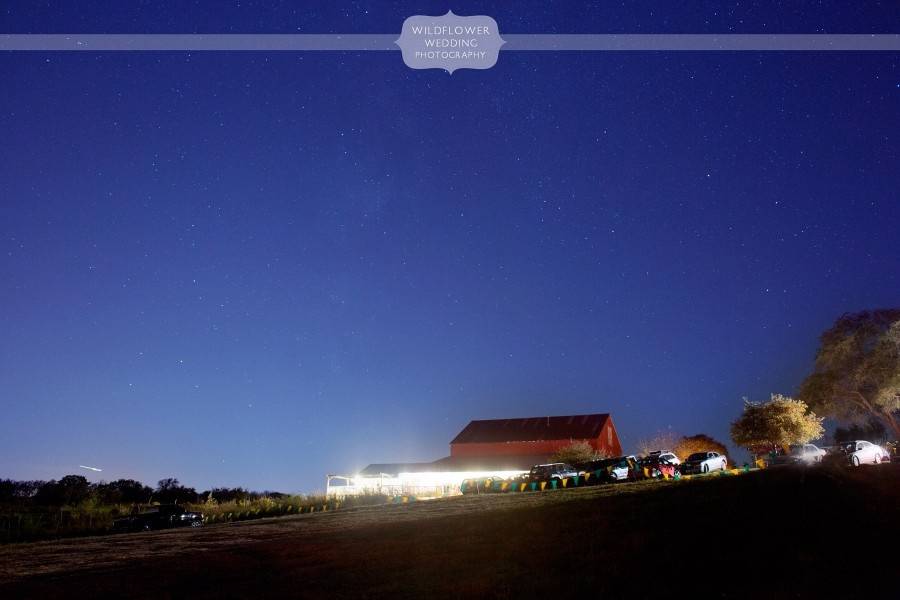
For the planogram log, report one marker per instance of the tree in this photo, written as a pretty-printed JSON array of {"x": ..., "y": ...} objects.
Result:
[
  {"x": 780, "y": 422},
  {"x": 699, "y": 443},
  {"x": 857, "y": 369},
  {"x": 224, "y": 494},
  {"x": 170, "y": 491},
  {"x": 575, "y": 453},
  {"x": 662, "y": 440},
  {"x": 18, "y": 491},
  {"x": 74, "y": 489},
  {"x": 70, "y": 490},
  {"x": 9, "y": 490},
  {"x": 124, "y": 491}
]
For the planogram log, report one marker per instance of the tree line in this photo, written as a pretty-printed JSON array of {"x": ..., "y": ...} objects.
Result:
[{"x": 73, "y": 490}]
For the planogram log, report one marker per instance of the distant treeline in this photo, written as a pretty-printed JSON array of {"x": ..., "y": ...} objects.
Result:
[
  {"x": 72, "y": 490},
  {"x": 73, "y": 506}
]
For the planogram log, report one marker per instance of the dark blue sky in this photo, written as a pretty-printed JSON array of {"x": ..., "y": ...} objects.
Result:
[{"x": 256, "y": 268}]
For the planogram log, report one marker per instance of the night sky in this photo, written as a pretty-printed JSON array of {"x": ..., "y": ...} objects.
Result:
[{"x": 258, "y": 268}]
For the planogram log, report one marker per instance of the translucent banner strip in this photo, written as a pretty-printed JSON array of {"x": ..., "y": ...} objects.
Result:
[{"x": 385, "y": 42}]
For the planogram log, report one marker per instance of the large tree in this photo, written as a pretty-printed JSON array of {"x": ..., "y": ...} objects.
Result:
[
  {"x": 70, "y": 491},
  {"x": 699, "y": 443},
  {"x": 780, "y": 422},
  {"x": 170, "y": 490},
  {"x": 124, "y": 491},
  {"x": 857, "y": 370}
]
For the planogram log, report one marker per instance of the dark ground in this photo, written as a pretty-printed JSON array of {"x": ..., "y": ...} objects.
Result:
[{"x": 773, "y": 534}]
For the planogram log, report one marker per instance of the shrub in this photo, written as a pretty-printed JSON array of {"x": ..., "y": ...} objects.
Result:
[{"x": 575, "y": 453}]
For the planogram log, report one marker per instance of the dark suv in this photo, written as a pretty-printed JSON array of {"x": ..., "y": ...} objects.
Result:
[
  {"x": 551, "y": 471},
  {"x": 163, "y": 516}
]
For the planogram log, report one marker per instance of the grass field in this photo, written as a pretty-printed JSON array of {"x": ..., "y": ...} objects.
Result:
[{"x": 772, "y": 534}]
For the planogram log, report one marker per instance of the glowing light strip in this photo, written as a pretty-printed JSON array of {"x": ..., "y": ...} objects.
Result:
[
  {"x": 514, "y": 41},
  {"x": 423, "y": 480}
]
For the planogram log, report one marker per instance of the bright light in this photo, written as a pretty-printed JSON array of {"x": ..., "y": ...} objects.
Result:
[{"x": 424, "y": 483}]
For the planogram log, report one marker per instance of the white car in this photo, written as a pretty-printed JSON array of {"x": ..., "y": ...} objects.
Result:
[
  {"x": 861, "y": 452},
  {"x": 704, "y": 462},
  {"x": 623, "y": 466},
  {"x": 801, "y": 454},
  {"x": 665, "y": 456}
]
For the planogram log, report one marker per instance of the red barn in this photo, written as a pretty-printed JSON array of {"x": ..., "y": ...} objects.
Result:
[
  {"x": 535, "y": 436},
  {"x": 498, "y": 447}
]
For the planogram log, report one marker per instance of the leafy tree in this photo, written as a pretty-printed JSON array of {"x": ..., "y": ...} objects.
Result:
[
  {"x": 70, "y": 490},
  {"x": 124, "y": 491},
  {"x": 857, "y": 370},
  {"x": 575, "y": 453},
  {"x": 780, "y": 422},
  {"x": 662, "y": 440},
  {"x": 9, "y": 490},
  {"x": 18, "y": 491},
  {"x": 74, "y": 489},
  {"x": 48, "y": 494},
  {"x": 170, "y": 491},
  {"x": 224, "y": 494},
  {"x": 169, "y": 483},
  {"x": 699, "y": 443}
]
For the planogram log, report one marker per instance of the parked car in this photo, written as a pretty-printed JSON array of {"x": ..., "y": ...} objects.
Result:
[
  {"x": 801, "y": 454},
  {"x": 659, "y": 465},
  {"x": 551, "y": 471},
  {"x": 704, "y": 462},
  {"x": 163, "y": 516},
  {"x": 860, "y": 452},
  {"x": 597, "y": 471},
  {"x": 622, "y": 468},
  {"x": 665, "y": 455}
]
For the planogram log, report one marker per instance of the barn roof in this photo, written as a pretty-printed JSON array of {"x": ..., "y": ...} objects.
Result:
[{"x": 532, "y": 429}]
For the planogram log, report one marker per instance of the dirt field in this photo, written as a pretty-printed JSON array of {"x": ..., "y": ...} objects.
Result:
[{"x": 778, "y": 533}]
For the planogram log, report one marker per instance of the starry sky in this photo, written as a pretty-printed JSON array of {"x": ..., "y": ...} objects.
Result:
[{"x": 258, "y": 268}]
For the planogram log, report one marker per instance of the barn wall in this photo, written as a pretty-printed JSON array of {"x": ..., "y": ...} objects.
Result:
[
  {"x": 607, "y": 442},
  {"x": 512, "y": 448}
]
